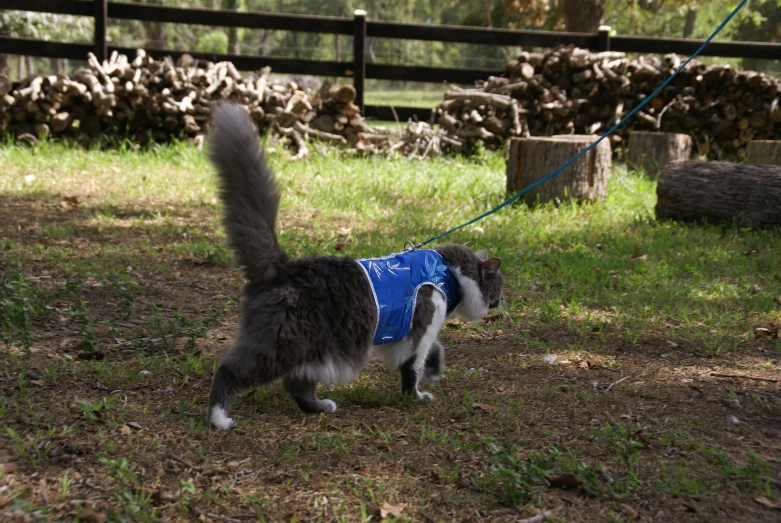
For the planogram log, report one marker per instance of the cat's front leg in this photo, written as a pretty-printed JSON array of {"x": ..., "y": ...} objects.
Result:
[{"x": 429, "y": 317}]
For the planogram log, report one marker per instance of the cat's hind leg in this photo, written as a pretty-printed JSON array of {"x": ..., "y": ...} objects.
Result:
[
  {"x": 428, "y": 318},
  {"x": 435, "y": 363},
  {"x": 304, "y": 392},
  {"x": 243, "y": 367}
]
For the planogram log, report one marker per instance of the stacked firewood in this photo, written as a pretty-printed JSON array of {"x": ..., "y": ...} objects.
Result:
[
  {"x": 156, "y": 100},
  {"x": 469, "y": 116},
  {"x": 571, "y": 90}
]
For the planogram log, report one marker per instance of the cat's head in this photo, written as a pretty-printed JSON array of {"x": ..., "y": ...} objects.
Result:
[
  {"x": 490, "y": 279},
  {"x": 479, "y": 277}
]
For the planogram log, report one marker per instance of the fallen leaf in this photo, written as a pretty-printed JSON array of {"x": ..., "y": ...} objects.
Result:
[
  {"x": 767, "y": 503},
  {"x": 393, "y": 510},
  {"x": 91, "y": 355},
  {"x": 569, "y": 497},
  {"x": 584, "y": 365},
  {"x": 341, "y": 245},
  {"x": 344, "y": 231},
  {"x": 484, "y": 406},
  {"x": 564, "y": 481},
  {"x": 7, "y": 468},
  {"x": 69, "y": 201},
  {"x": 550, "y": 359},
  {"x": 629, "y": 511},
  {"x": 90, "y": 516},
  {"x": 133, "y": 425},
  {"x": 125, "y": 430}
]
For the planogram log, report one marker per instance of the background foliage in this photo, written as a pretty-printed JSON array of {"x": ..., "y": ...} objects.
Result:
[{"x": 759, "y": 21}]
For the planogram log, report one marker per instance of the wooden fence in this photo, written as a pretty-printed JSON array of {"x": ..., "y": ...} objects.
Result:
[{"x": 357, "y": 27}]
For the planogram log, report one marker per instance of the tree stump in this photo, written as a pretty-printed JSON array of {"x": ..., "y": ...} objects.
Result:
[
  {"x": 720, "y": 192},
  {"x": 650, "y": 152},
  {"x": 530, "y": 159},
  {"x": 764, "y": 152}
]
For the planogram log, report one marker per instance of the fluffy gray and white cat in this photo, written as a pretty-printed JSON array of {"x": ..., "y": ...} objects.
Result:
[{"x": 312, "y": 320}]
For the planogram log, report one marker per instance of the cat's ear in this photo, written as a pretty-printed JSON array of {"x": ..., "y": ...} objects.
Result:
[
  {"x": 482, "y": 256},
  {"x": 491, "y": 266}
]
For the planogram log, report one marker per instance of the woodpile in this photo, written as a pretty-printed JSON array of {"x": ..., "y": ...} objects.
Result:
[
  {"x": 158, "y": 100},
  {"x": 569, "y": 90},
  {"x": 469, "y": 116}
]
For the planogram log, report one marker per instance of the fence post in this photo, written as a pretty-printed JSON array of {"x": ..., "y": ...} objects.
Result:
[
  {"x": 101, "y": 11},
  {"x": 359, "y": 56},
  {"x": 603, "y": 37}
]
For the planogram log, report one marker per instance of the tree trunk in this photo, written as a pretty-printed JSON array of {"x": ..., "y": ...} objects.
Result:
[
  {"x": 155, "y": 31},
  {"x": 5, "y": 85},
  {"x": 691, "y": 17},
  {"x": 5, "y": 60},
  {"x": 583, "y": 16},
  {"x": 764, "y": 152},
  {"x": 650, "y": 152},
  {"x": 262, "y": 46},
  {"x": 533, "y": 158},
  {"x": 30, "y": 65},
  {"x": 720, "y": 192},
  {"x": 233, "y": 32}
]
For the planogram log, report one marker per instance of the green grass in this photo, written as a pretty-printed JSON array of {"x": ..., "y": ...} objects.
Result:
[
  {"x": 425, "y": 98},
  {"x": 120, "y": 254},
  {"x": 608, "y": 266}
]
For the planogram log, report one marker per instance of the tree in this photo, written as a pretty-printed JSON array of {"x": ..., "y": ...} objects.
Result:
[
  {"x": 155, "y": 31},
  {"x": 583, "y": 16}
]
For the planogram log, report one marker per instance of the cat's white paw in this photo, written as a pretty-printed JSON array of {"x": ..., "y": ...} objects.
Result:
[
  {"x": 220, "y": 419},
  {"x": 425, "y": 396},
  {"x": 328, "y": 406}
]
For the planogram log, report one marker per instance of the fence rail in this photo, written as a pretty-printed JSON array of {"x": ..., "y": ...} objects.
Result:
[{"x": 360, "y": 29}]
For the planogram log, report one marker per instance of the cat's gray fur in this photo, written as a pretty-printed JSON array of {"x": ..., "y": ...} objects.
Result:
[{"x": 311, "y": 320}]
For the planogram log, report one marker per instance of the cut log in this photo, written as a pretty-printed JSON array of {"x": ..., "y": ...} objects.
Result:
[
  {"x": 650, "y": 152},
  {"x": 764, "y": 152},
  {"x": 720, "y": 192},
  {"x": 530, "y": 159}
]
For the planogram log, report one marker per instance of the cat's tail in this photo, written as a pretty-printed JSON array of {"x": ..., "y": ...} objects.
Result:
[{"x": 249, "y": 193}]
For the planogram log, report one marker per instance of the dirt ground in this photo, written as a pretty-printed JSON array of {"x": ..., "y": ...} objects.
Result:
[{"x": 103, "y": 418}]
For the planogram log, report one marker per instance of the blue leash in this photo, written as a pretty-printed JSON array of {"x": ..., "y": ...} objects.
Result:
[{"x": 587, "y": 149}]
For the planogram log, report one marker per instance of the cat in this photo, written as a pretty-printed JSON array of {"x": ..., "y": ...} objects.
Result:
[{"x": 316, "y": 319}]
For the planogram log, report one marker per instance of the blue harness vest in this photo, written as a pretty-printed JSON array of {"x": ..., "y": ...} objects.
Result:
[{"x": 395, "y": 281}]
